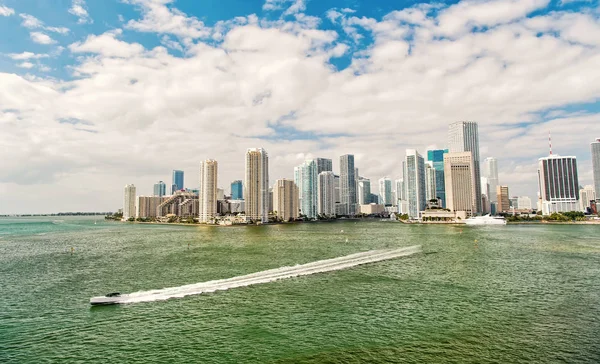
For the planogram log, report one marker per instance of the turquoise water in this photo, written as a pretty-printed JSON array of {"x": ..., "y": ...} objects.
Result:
[{"x": 514, "y": 294}]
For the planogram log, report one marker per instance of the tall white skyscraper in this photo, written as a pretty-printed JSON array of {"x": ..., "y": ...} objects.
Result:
[
  {"x": 463, "y": 136},
  {"x": 559, "y": 184},
  {"x": 596, "y": 166},
  {"x": 385, "y": 191},
  {"x": 285, "y": 199},
  {"x": 306, "y": 178},
  {"x": 460, "y": 182},
  {"x": 430, "y": 182},
  {"x": 326, "y": 194},
  {"x": 348, "y": 184},
  {"x": 364, "y": 191},
  {"x": 414, "y": 178},
  {"x": 208, "y": 190},
  {"x": 586, "y": 195},
  {"x": 399, "y": 190},
  {"x": 256, "y": 185},
  {"x": 490, "y": 171},
  {"x": 129, "y": 202}
]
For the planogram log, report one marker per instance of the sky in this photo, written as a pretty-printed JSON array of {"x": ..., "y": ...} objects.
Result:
[{"x": 96, "y": 94}]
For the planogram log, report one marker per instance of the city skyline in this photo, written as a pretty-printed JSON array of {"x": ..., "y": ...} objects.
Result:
[{"x": 117, "y": 94}]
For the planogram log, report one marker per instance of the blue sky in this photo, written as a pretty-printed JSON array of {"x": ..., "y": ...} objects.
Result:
[{"x": 92, "y": 91}]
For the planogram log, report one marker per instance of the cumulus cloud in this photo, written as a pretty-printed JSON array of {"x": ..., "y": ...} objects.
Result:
[
  {"x": 78, "y": 9},
  {"x": 26, "y": 65},
  {"x": 108, "y": 45},
  {"x": 31, "y": 22},
  {"x": 27, "y": 55},
  {"x": 41, "y": 38},
  {"x": 6, "y": 11}
]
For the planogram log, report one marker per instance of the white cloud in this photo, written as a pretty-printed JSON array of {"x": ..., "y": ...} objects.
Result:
[
  {"x": 6, "y": 11},
  {"x": 296, "y": 6},
  {"x": 78, "y": 9},
  {"x": 108, "y": 45},
  {"x": 27, "y": 55},
  {"x": 26, "y": 65},
  {"x": 41, "y": 38},
  {"x": 31, "y": 22}
]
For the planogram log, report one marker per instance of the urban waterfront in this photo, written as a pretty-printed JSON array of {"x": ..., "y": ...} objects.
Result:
[{"x": 506, "y": 294}]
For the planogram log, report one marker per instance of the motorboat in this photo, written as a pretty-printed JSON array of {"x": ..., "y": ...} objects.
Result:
[
  {"x": 486, "y": 220},
  {"x": 110, "y": 299}
]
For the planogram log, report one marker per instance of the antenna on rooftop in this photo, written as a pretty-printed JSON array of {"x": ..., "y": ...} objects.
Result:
[{"x": 550, "y": 142}]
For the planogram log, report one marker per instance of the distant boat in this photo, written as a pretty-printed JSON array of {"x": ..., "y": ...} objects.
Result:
[
  {"x": 110, "y": 299},
  {"x": 485, "y": 220}
]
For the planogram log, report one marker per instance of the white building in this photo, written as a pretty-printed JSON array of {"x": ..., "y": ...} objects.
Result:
[
  {"x": 285, "y": 199},
  {"x": 463, "y": 136},
  {"x": 129, "y": 202},
  {"x": 306, "y": 179},
  {"x": 208, "y": 194},
  {"x": 326, "y": 194},
  {"x": 430, "y": 185},
  {"x": 399, "y": 191},
  {"x": 414, "y": 178},
  {"x": 559, "y": 184},
  {"x": 364, "y": 191},
  {"x": 596, "y": 166},
  {"x": 385, "y": 191},
  {"x": 460, "y": 182},
  {"x": 256, "y": 185},
  {"x": 586, "y": 195},
  {"x": 524, "y": 203},
  {"x": 490, "y": 172}
]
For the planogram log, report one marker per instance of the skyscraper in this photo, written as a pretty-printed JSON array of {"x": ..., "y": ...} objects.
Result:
[
  {"x": 586, "y": 196},
  {"x": 129, "y": 202},
  {"x": 208, "y": 190},
  {"x": 364, "y": 191},
  {"x": 490, "y": 171},
  {"x": 400, "y": 191},
  {"x": 414, "y": 177},
  {"x": 177, "y": 184},
  {"x": 285, "y": 199},
  {"x": 385, "y": 191},
  {"x": 463, "y": 136},
  {"x": 160, "y": 189},
  {"x": 437, "y": 158},
  {"x": 324, "y": 165},
  {"x": 237, "y": 190},
  {"x": 430, "y": 182},
  {"x": 306, "y": 178},
  {"x": 460, "y": 182},
  {"x": 559, "y": 184},
  {"x": 503, "y": 198},
  {"x": 326, "y": 194},
  {"x": 256, "y": 185},
  {"x": 596, "y": 166},
  {"x": 347, "y": 184}
]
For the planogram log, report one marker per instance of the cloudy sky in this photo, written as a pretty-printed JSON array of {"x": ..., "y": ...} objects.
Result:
[{"x": 95, "y": 94}]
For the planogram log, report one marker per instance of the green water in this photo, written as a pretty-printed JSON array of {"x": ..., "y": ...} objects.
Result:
[{"x": 512, "y": 294}]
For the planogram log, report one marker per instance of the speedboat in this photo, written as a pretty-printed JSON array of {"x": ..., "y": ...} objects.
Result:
[
  {"x": 110, "y": 299},
  {"x": 486, "y": 220}
]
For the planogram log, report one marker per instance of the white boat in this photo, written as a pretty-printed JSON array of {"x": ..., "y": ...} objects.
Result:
[
  {"x": 109, "y": 299},
  {"x": 486, "y": 220}
]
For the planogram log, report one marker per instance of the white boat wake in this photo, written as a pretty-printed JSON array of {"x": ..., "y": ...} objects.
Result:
[{"x": 266, "y": 276}]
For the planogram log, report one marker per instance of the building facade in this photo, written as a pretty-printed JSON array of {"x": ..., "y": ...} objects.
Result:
[
  {"x": 503, "y": 199},
  {"x": 256, "y": 185},
  {"x": 147, "y": 206},
  {"x": 596, "y": 167},
  {"x": 129, "y": 202},
  {"x": 208, "y": 195},
  {"x": 285, "y": 199},
  {"x": 324, "y": 165},
  {"x": 237, "y": 190},
  {"x": 436, "y": 157},
  {"x": 326, "y": 194},
  {"x": 524, "y": 203},
  {"x": 347, "y": 185},
  {"x": 430, "y": 182},
  {"x": 307, "y": 180},
  {"x": 160, "y": 189},
  {"x": 364, "y": 191},
  {"x": 490, "y": 172},
  {"x": 463, "y": 136},
  {"x": 586, "y": 196},
  {"x": 177, "y": 184},
  {"x": 460, "y": 182},
  {"x": 559, "y": 184},
  {"x": 414, "y": 178},
  {"x": 385, "y": 192}
]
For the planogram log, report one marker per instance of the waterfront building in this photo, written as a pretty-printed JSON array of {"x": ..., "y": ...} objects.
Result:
[
  {"x": 236, "y": 206},
  {"x": 399, "y": 190},
  {"x": 285, "y": 199},
  {"x": 502, "y": 199},
  {"x": 460, "y": 179},
  {"x": 129, "y": 202},
  {"x": 220, "y": 194},
  {"x": 209, "y": 193},
  {"x": 385, "y": 191},
  {"x": 237, "y": 190},
  {"x": 514, "y": 202},
  {"x": 586, "y": 196},
  {"x": 307, "y": 180},
  {"x": 347, "y": 184},
  {"x": 490, "y": 172},
  {"x": 324, "y": 165},
  {"x": 326, "y": 194},
  {"x": 146, "y": 206},
  {"x": 436, "y": 157},
  {"x": 364, "y": 191},
  {"x": 430, "y": 182},
  {"x": 463, "y": 136},
  {"x": 256, "y": 185},
  {"x": 414, "y": 177},
  {"x": 486, "y": 205},
  {"x": 372, "y": 209},
  {"x": 160, "y": 189},
  {"x": 181, "y": 204},
  {"x": 177, "y": 184},
  {"x": 524, "y": 203},
  {"x": 596, "y": 166},
  {"x": 559, "y": 184}
]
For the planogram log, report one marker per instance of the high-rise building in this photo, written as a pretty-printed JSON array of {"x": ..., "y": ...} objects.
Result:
[
  {"x": 237, "y": 190},
  {"x": 460, "y": 182},
  {"x": 430, "y": 182},
  {"x": 364, "y": 191},
  {"x": 596, "y": 166},
  {"x": 324, "y": 165},
  {"x": 414, "y": 178},
  {"x": 486, "y": 207},
  {"x": 347, "y": 184},
  {"x": 177, "y": 184},
  {"x": 285, "y": 199},
  {"x": 559, "y": 184},
  {"x": 306, "y": 178},
  {"x": 503, "y": 199},
  {"x": 385, "y": 191},
  {"x": 524, "y": 203},
  {"x": 256, "y": 185},
  {"x": 400, "y": 191},
  {"x": 437, "y": 158},
  {"x": 463, "y": 136},
  {"x": 586, "y": 196},
  {"x": 160, "y": 189},
  {"x": 208, "y": 195},
  {"x": 490, "y": 171},
  {"x": 129, "y": 202},
  {"x": 326, "y": 194},
  {"x": 146, "y": 206}
]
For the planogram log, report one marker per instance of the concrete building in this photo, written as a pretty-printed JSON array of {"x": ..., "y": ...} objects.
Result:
[
  {"x": 486, "y": 204},
  {"x": 237, "y": 190},
  {"x": 399, "y": 190},
  {"x": 385, "y": 191},
  {"x": 285, "y": 199},
  {"x": 307, "y": 180},
  {"x": 586, "y": 196},
  {"x": 160, "y": 189},
  {"x": 436, "y": 157},
  {"x": 208, "y": 194},
  {"x": 256, "y": 185},
  {"x": 490, "y": 172},
  {"x": 237, "y": 206},
  {"x": 430, "y": 182},
  {"x": 460, "y": 181},
  {"x": 129, "y": 201},
  {"x": 524, "y": 203},
  {"x": 372, "y": 209},
  {"x": 596, "y": 167},
  {"x": 364, "y": 191},
  {"x": 502, "y": 198},
  {"x": 414, "y": 178},
  {"x": 177, "y": 184},
  {"x": 180, "y": 204},
  {"x": 463, "y": 136},
  {"x": 347, "y": 184},
  {"x": 146, "y": 206},
  {"x": 559, "y": 184},
  {"x": 324, "y": 165},
  {"x": 326, "y": 194}
]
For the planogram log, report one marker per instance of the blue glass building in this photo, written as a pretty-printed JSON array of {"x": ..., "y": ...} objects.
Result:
[
  {"x": 437, "y": 157},
  {"x": 177, "y": 181},
  {"x": 237, "y": 190},
  {"x": 160, "y": 189}
]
